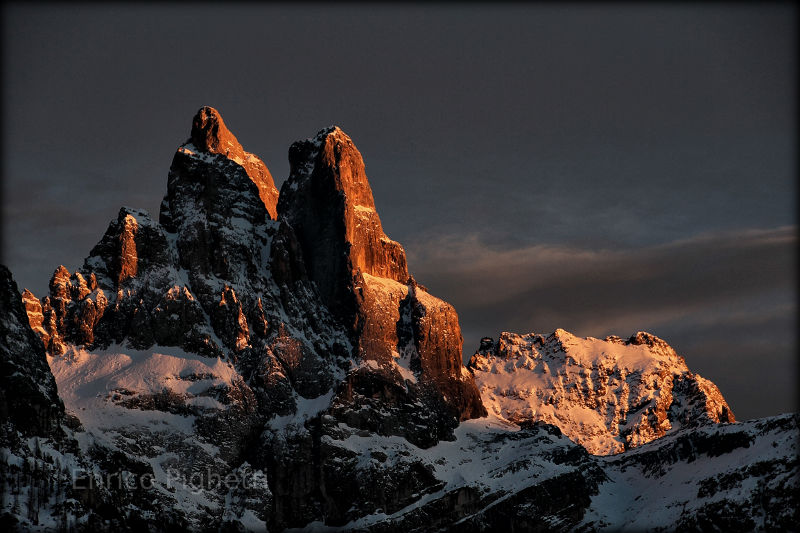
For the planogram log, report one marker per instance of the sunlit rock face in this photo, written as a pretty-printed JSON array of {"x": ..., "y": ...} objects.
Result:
[
  {"x": 182, "y": 318},
  {"x": 412, "y": 338},
  {"x": 214, "y": 320},
  {"x": 211, "y": 136},
  {"x": 328, "y": 201},
  {"x": 128, "y": 289},
  {"x": 607, "y": 395}
]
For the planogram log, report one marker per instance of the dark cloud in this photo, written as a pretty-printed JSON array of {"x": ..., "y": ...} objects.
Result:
[
  {"x": 751, "y": 355},
  {"x": 716, "y": 298}
]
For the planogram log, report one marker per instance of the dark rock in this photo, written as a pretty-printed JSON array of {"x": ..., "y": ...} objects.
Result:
[
  {"x": 29, "y": 400},
  {"x": 328, "y": 201}
]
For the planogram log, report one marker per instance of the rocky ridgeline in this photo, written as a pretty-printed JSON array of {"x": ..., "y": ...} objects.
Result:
[
  {"x": 219, "y": 277},
  {"x": 333, "y": 319},
  {"x": 278, "y": 341},
  {"x": 607, "y": 395}
]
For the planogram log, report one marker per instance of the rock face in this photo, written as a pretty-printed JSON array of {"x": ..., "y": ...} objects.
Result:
[
  {"x": 248, "y": 363},
  {"x": 328, "y": 201},
  {"x": 155, "y": 298},
  {"x": 29, "y": 400},
  {"x": 363, "y": 278},
  {"x": 607, "y": 395}
]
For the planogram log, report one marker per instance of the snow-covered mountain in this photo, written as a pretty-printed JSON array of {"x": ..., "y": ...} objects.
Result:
[
  {"x": 262, "y": 361},
  {"x": 607, "y": 395}
]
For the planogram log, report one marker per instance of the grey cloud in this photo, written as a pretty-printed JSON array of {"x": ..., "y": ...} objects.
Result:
[
  {"x": 678, "y": 274},
  {"x": 701, "y": 294}
]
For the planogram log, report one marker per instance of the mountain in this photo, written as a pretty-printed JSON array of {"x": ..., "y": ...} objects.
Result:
[
  {"x": 261, "y": 361},
  {"x": 607, "y": 395}
]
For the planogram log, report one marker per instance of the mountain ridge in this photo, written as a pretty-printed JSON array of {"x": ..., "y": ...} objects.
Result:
[
  {"x": 280, "y": 340},
  {"x": 608, "y": 395}
]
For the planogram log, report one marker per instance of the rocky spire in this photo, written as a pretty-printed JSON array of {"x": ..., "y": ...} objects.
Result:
[
  {"x": 362, "y": 276},
  {"x": 328, "y": 201},
  {"x": 213, "y": 183},
  {"x": 212, "y": 136}
]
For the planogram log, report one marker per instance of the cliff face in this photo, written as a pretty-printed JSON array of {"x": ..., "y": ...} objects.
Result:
[
  {"x": 29, "y": 400},
  {"x": 328, "y": 202},
  {"x": 211, "y": 136},
  {"x": 362, "y": 276},
  {"x": 607, "y": 395},
  {"x": 302, "y": 295}
]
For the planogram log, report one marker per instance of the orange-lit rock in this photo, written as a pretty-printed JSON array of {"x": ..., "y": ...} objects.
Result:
[
  {"x": 210, "y": 135},
  {"x": 363, "y": 277}
]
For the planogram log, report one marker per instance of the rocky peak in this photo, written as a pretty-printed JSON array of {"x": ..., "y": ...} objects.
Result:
[
  {"x": 607, "y": 395},
  {"x": 328, "y": 201},
  {"x": 200, "y": 344},
  {"x": 362, "y": 276},
  {"x": 218, "y": 200},
  {"x": 133, "y": 242},
  {"x": 59, "y": 282},
  {"x": 643, "y": 338},
  {"x": 210, "y": 136},
  {"x": 228, "y": 286}
]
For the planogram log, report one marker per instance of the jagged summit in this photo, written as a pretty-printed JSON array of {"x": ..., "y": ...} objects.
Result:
[
  {"x": 210, "y": 134},
  {"x": 28, "y": 395},
  {"x": 607, "y": 395},
  {"x": 320, "y": 136},
  {"x": 309, "y": 293},
  {"x": 328, "y": 182},
  {"x": 363, "y": 277},
  {"x": 211, "y": 143}
]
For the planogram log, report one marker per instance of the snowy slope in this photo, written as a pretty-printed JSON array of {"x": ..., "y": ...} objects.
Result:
[
  {"x": 732, "y": 477},
  {"x": 607, "y": 395}
]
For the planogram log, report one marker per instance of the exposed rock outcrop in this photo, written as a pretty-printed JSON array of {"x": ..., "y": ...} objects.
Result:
[
  {"x": 328, "y": 201},
  {"x": 29, "y": 401},
  {"x": 211, "y": 136},
  {"x": 217, "y": 276},
  {"x": 128, "y": 289}
]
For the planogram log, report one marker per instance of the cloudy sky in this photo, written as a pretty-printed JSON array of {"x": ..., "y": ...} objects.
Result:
[{"x": 600, "y": 168}]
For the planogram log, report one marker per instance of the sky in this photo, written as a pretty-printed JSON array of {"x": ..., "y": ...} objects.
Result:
[{"x": 602, "y": 168}]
